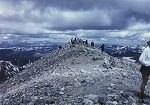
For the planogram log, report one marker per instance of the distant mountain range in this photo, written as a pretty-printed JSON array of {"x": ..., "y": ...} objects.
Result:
[
  {"x": 25, "y": 44},
  {"x": 22, "y": 53},
  {"x": 124, "y": 51}
]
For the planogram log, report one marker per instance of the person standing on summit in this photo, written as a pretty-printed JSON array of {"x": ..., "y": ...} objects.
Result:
[
  {"x": 145, "y": 68},
  {"x": 102, "y": 48},
  {"x": 92, "y": 44}
]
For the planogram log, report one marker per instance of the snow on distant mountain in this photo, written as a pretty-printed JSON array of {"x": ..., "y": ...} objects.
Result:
[
  {"x": 23, "y": 55},
  {"x": 125, "y": 51},
  {"x": 24, "y": 44},
  {"x": 7, "y": 70}
]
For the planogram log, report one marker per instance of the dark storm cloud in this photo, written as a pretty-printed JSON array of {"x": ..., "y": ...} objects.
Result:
[
  {"x": 85, "y": 13},
  {"x": 97, "y": 18},
  {"x": 75, "y": 5}
]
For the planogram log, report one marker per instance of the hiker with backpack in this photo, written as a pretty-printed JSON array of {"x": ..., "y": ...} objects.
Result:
[{"x": 145, "y": 68}]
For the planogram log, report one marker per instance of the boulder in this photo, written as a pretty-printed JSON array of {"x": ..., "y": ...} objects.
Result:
[
  {"x": 102, "y": 99},
  {"x": 92, "y": 97},
  {"x": 87, "y": 102}
]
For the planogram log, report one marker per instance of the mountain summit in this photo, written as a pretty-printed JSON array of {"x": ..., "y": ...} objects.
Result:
[{"x": 74, "y": 75}]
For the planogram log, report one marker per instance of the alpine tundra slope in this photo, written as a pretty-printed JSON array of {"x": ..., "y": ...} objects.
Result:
[{"x": 75, "y": 75}]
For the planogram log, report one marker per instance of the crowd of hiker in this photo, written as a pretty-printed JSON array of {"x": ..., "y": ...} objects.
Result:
[{"x": 78, "y": 41}]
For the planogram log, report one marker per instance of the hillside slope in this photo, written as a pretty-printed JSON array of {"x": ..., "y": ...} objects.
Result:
[
  {"x": 7, "y": 70},
  {"x": 77, "y": 75}
]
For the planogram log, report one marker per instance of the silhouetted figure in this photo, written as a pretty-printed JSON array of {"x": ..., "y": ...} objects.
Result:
[
  {"x": 86, "y": 42},
  {"x": 60, "y": 47},
  {"x": 72, "y": 40},
  {"x": 78, "y": 41},
  {"x": 145, "y": 68},
  {"x": 92, "y": 44},
  {"x": 75, "y": 39},
  {"x": 102, "y": 48}
]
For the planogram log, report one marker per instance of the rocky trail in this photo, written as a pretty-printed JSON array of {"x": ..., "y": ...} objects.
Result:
[{"x": 77, "y": 75}]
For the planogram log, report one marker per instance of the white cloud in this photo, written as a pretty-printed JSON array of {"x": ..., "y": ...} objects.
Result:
[
  {"x": 95, "y": 20},
  {"x": 139, "y": 26}
]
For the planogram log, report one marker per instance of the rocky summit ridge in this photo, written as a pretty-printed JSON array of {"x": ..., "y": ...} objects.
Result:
[{"x": 75, "y": 75}]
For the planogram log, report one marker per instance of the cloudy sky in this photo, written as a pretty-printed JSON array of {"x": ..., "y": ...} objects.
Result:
[{"x": 107, "y": 21}]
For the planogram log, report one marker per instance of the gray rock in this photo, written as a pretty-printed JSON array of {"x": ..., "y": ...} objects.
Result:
[
  {"x": 77, "y": 83},
  {"x": 1, "y": 99},
  {"x": 92, "y": 97},
  {"x": 113, "y": 63},
  {"x": 105, "y": 65},
  {"x": 39, "y": 102},
  {"x": 126, "y": 94},
  {"x": 88, "y": 81},
  {"x": 114, "y": 97},
  {"x": 62, "y": 103},
  {"x": 26, "y": 100},
  {"x": 112, "y": 85},
  {"x": 126, "y": 102},
  {"x": 31, "y": 103},
  {"x": 62, "y": 89},
  {"x": 61, "y": 93},
  {"x": 88, "y": 102},
  {"x": 111, "y": 103},
  {"x": 124, "y": 74},
  {"x": 103, "y": 99},
  {"x": 97, "y": 58},
  {"x": 147, "y": 101},
  {"x": 34, "y": 98},
  {"x": 120, "y": 102},
  {"x": 134, "y": 104},
  {"x": 131, "y": 99},
  {"x": 49, "y": 100}
]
